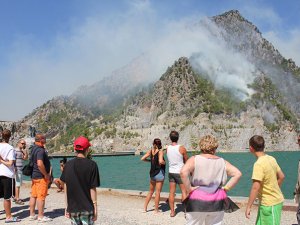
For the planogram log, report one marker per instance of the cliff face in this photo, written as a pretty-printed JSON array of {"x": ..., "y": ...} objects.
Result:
[{"x": 121, "y": 113}]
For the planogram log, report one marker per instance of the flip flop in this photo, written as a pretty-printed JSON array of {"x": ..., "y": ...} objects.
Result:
[{"x": 12, "y": 220}]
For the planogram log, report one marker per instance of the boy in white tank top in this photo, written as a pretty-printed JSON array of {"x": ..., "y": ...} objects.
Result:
[{"x": 177, "y": 156}]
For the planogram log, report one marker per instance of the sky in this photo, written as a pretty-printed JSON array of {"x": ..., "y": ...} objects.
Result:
[{"x": 50, "y": 48}]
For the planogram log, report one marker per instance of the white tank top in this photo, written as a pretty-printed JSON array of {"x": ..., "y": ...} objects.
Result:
[{"x": 175, "y": 159}]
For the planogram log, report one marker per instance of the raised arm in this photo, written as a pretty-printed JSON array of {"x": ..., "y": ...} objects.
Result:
[
  {"x": 145, "y": 157},
  {"x": 25, "y": 154}
]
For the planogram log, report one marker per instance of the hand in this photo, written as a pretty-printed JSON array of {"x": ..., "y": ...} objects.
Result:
[
  {"x": 193, "y": 188},
  {"x": 47, "y": 177},
  {"x": 67, "y": 214},
  {"x": 95, "y": 214},
  {"x": 247, "y": 213}
]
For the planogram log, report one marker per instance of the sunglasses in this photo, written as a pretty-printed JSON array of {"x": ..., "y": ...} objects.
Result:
[{"x": 23, "y": 143}]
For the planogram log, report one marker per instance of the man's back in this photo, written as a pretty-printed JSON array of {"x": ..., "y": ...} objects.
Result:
[
  {"x": 175, "y": 158},
  {"x": 80, "y": 175},
  {"x": 6, "y": 153},
  {"x": 265, "y": 170}
]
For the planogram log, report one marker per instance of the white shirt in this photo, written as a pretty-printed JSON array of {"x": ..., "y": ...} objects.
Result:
[
  {"x": 175, "y": 158},
  {"x": 7, "y": 153}
]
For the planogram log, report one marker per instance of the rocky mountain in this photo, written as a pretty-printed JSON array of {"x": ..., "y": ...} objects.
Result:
[{"x": 125, "y": 111}]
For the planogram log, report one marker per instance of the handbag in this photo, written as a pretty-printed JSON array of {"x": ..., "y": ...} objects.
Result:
[
  {"x": 27, "y": 169},
  {"x": 229, "y": 205}
]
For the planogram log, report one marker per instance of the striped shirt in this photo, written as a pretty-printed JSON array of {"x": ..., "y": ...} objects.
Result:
[{"x": 19, "y": 159}]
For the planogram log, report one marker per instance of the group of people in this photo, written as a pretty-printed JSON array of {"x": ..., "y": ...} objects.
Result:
[
  {"x": 79, "y": 179},
  {"x": 203, "y": 181}
]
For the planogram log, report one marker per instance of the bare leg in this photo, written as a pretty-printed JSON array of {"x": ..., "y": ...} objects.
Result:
[
  {"x": 159, "y": 185},
  {"x": 150, "y": 193},
  {"x": 40, "y": 206},
  {"x": 171, "y": 198},
  {"x": 17, "y": 194},
  {"x": 7, "y": 208},
  {"x": 183, "y": 192},
  {"x": 32, "y": 203}
]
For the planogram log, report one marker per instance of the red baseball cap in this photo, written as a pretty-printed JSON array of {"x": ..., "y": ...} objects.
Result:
[{"x": 81, "y": 143}]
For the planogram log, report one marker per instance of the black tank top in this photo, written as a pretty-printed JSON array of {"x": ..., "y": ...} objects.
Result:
[{"x": 155, "y": 166}]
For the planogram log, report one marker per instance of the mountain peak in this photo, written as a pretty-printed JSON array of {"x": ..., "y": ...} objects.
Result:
[{"x": 232, "y": 13}]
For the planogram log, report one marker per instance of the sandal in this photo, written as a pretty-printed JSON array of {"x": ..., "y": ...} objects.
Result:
[
  {"x": 12, "y": 220},
  {"x": 19, "y": 202}
]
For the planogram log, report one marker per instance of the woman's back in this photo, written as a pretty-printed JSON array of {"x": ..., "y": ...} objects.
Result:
[{"x": 209, "y": 173}]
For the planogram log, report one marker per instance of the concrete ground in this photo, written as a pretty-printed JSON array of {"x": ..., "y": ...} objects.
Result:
[{"x": 125, "y": 207}]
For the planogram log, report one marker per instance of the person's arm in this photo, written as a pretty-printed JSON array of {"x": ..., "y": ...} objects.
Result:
[
  {"x": 161, "y": 157},
  {"x": 7, "y": 163},
  {"x": 67, "y": 215},
  {"x": 183, "y": 151},
  {"x": 93, "y": 192},
  {"x": 144, "y": 158},
  {"x": 25, "y": 154},
  {"x": 280, "y": 177},
  {"x": 186, "y": 170},
  {"x": 235, "y": 175},
  {"x": 253, "y": 194}
]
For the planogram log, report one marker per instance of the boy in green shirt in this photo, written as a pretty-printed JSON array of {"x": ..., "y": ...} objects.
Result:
[{"x": 267, "y": 178}]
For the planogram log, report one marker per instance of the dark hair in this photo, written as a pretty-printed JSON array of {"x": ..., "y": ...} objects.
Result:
[
  {"x": 6, "y": 135},
  {"x": 157, "y": 142},
  {"x": 174, "y": 136},
  {"x": 64, "y": 160},
  {"x": 257, "y": 142}
]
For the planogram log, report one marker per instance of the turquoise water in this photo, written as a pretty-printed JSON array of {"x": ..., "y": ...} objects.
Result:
[{"x": 129, "y": 172}]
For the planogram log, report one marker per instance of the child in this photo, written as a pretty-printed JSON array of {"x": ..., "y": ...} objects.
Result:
[
  {"x": 57, "y": 181},
  {"x": 267, "y": 178}
]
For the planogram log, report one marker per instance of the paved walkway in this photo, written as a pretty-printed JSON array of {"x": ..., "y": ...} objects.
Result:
[{"x": 125, "y": 208}]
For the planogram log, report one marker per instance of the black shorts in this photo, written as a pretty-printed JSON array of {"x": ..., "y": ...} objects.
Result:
[
  {"x": 175, "y": 177},
  {"x": 7, "y": 187}
]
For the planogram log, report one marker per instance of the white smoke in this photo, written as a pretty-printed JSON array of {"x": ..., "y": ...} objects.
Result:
[{"x": 100, "y": 44}]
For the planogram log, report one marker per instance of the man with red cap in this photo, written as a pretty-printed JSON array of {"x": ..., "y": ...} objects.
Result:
[{"x": 81, "y": 178}]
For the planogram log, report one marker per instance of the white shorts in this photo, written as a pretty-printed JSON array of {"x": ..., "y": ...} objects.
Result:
[
  {"x": 19, "y": 178},
  {"x": 207, "y": 218}
]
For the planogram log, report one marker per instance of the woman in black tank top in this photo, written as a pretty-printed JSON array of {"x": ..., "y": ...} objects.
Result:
[{"x": 157, "y": 172}]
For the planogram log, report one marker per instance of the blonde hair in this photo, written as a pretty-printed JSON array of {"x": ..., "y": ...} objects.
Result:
[{"x": 208, "y": 144}]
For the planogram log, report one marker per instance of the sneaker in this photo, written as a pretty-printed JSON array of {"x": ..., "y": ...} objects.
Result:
[
  {"x": 31, "y": 218},
  {"x": 44, "y": 219}
]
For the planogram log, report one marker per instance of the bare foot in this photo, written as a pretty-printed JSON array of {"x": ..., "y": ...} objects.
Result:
[{"x": 172, "y": 214}]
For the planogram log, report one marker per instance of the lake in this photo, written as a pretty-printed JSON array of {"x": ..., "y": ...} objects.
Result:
[{"x": 129, "y": 172}]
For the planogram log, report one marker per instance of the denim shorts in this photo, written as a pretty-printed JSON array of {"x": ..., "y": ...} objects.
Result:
[
  {"x": 19, "y": 178},
  {"x": 159, "y": 177}
]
